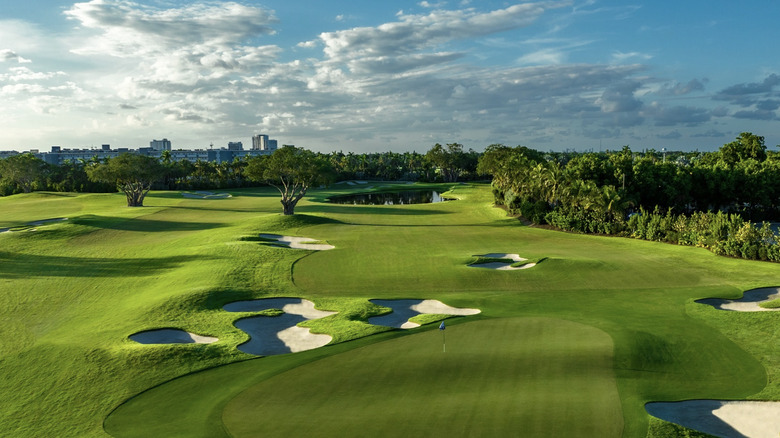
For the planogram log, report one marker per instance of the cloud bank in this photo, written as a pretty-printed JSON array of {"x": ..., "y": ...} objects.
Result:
[{"x": 215, "y": 70}]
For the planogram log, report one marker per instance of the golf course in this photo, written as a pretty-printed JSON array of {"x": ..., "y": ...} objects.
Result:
[{"x": 574, "y": 341}]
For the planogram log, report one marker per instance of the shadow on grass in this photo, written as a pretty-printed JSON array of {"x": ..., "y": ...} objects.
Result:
[
  {"x": 258, "y": 210},
  {"x": 140, "y": 224},
  {"x": 364, "y": 209},
  {"x": 15, "y": 265}
]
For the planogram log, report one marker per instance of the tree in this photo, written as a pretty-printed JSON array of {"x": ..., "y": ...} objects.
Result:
[
  {"x": 22, "y": 170},
  {"x": 292, "y": 171},
  {"x": 746, "y": 146},
  {"x": 449, "y": 160},
  {"x": 133, "y": 174}
]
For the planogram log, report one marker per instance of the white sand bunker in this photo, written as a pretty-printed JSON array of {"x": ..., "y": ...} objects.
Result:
[
  {"x": 750, "y": 301},
  {"x": 170, "y": 336},
  {"x": 297, "y": 242},
  {"x": 270, "y": 335},
  {"x": 26, "y": 226},
  {"x": 206, "y": 195},
  {"x": 502, "y": 266},
  {"x": 728, "y": 419},
  {"x": 405, "y": 309}
]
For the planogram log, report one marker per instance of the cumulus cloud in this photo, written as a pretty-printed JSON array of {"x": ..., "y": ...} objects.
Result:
[
  {"x": 209, "y": 67},
  {"x": 200, "y": 40},
  {"x": 620, "y": 98},
  {"x": 128, "y": 28},
  {"x": 416, "y": 32}
]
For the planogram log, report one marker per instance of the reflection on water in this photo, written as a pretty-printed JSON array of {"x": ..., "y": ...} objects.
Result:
[{"x": 391, "y": 198}]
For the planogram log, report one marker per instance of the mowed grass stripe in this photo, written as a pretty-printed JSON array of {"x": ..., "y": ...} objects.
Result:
[{"x": 544, "y": 377}]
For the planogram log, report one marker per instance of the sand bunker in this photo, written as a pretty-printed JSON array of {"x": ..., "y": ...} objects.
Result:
[
  {"x": 206, "y": 195},
  {"x": 293, "y": 306},
  {"x": 737, "y": 419},
  {"x": 405, "y": 309},
  {"x": 270, "y": 335},
  {"x": 297, "y": 242},
  {"x": 750, "y": 301},
  {"x": 502, "y": 266},
  {"x": 170, "y": 336}
]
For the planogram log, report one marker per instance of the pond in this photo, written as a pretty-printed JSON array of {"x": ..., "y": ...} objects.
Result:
[{"x": 391, "y": 198}]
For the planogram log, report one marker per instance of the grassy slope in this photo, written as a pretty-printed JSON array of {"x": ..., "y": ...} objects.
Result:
[{"x": 73, "y": 292}]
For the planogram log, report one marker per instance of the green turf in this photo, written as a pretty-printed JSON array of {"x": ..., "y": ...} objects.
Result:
[
  {"x": 544, "y": 377},
  {"x": 71, "y": 293}
]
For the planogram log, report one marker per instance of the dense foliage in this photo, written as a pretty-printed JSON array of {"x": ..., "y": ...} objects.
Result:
[{"x": 699, "y": 199}]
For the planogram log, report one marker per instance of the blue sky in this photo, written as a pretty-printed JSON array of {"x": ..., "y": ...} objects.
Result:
[{"x": 381, "y": 76}]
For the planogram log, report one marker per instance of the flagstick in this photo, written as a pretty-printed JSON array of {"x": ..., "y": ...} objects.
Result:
[{"x": 444, "y": 341}]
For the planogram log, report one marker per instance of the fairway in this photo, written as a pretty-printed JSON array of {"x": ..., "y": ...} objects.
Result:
[
  {"x": 574, "y": 346},
  {"x": 545, "y": 377}
]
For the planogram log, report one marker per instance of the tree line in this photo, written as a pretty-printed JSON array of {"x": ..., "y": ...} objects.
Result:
[
  {"x": 442, "y": 163},
  {"x": 706, "y": 199}
]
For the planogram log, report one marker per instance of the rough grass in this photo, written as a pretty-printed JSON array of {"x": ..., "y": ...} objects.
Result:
[{"x": 71, "y": 293}]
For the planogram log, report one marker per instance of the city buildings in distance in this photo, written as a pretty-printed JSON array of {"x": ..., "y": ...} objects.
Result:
[{"x": 261, "y": 145}]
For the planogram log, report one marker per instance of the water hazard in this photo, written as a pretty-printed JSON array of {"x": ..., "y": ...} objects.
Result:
[{"x": 391, "y": 198}]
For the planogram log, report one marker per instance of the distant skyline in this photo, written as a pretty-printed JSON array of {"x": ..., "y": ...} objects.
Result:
[{"x": 389, "y": 76}]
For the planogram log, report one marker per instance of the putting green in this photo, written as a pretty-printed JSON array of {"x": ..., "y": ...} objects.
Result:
[{"x": 545, "y": 377}]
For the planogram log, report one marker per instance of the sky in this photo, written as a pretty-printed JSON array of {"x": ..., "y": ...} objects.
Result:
[{"x": 337, "y": 75}]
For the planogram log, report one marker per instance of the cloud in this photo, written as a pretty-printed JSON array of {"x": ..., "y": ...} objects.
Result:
[
  {"x": 398, "y": 64},
  {"x": 620, "y": 98},
  {"x": 735, "y": 92},
  {"x": 711, "y": 133},
  {"x": 620, "y": 57},
  {"x": 200, "y": 40},
  {"x": 198, "y": 69},
  {"x": 142, "y": 29},
  {"x": 10, "y": 55},
  {"x": 676, "y": 115},
  {"x": 20, "y": 74},
  {"x": 417, "y": 32},
  {"x": 759, "y": 114},
  {"x": 680, "y": 89},
  {"x": 543, "y": 57},
  {"x": 672, "y": 135}
]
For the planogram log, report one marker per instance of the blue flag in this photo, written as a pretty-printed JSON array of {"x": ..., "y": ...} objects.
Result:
[{"x": 441, "y": 326}]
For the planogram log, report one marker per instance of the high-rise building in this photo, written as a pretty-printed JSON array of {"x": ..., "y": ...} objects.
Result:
[
  {"x": 235, "y": 146},
  {"x": 259, "y": 142},
  {"x": 160, "y": 145}
]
